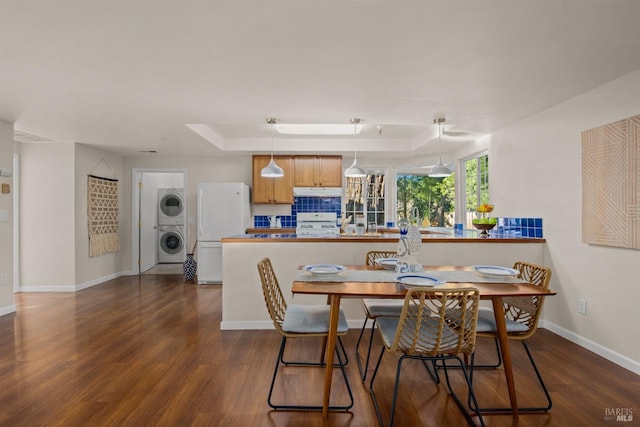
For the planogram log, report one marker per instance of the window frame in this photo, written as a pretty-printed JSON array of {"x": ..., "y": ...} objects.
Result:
[
  {"x": 414, "y": 171},
  {"x": 482, "y": 193},
  {"x": 366, "y": 211}
]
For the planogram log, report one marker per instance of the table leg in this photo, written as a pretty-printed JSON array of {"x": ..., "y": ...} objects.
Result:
[
  {"x": 334, "y": 311},
  {"x": 503, "y": 340}
]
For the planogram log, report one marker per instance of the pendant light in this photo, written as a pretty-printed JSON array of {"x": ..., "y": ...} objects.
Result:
[
  {"x": 354, "y": 171},
  {"x": 272, "y": 170},
  {"x": 439, "y": 170}
]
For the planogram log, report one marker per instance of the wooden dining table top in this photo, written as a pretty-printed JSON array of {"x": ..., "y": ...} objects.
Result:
[{"x": 397, "y": 290}]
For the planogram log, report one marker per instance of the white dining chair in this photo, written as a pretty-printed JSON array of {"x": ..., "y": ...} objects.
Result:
[
  {"x": 434, "y": 325},
  {"x": 522, "y": 315},
  {"x": 374, "y": 308},
  {"x": 297, "y": 321}
]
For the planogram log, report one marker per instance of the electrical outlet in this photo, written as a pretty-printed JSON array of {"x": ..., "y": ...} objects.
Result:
[
  {"x": 582, "y": 306},
  {"x": 3, "y": 279}
]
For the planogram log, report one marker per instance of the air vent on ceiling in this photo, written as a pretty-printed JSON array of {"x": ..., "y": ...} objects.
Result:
[{"x": 19, "y": 136}]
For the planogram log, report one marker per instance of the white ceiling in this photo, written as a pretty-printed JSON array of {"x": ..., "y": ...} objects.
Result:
[{"x": 128, "y": 75}]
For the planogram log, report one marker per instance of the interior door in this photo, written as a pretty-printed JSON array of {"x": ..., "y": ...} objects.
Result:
[{"x": 148, "y": 214}]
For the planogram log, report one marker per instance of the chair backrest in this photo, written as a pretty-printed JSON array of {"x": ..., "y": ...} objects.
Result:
[
  {"x": 437, "y": 321},
  {"x": 372, "y": 256},
  {"x": 276, "y": 304},
  {"x": 527, "y": 310}
]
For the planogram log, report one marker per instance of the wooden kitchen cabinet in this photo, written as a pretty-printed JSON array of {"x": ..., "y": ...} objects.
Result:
[
  {"x": 273, "y": 190},
  {"x": 318, "y": 171}
]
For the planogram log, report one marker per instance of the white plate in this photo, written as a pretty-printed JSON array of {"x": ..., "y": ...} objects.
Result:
[
  {"x": 387, "y": 263},
  {"x": 418, "y": 280},
  {"x": 493, "y": 270},
  {"x": 323, "y": 269}
]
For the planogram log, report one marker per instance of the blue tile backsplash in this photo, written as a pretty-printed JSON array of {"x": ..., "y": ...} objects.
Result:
[
  {"x": 519, "y": 227},
  {"x": 512, "y": 227},
  {"x": 302, "y": 204}
]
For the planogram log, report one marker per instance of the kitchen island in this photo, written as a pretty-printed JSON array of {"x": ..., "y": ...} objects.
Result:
[{"x": 243, "y": 304}]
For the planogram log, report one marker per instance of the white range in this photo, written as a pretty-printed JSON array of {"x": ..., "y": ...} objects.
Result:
[{"x": 317, "y": 224}]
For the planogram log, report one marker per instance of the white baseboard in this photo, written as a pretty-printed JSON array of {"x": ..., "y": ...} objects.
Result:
[
  {"x": 71, "y": 288},
  {"x": 48, "y": 288},
  {"x": 607, "y": 353},
  {"x": 7, "y": 310},
  {"x": 97, "y": 281},
  {"x": 245, "y": 325}
]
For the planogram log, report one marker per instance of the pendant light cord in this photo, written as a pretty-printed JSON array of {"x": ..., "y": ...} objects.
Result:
[
  {"x": 271, "y": 121},
  {"x": 439, "y": 141},
  {"x": 439, "y": 121}
]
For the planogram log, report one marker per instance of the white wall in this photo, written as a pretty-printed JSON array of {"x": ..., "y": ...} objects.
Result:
[
  {"x": 91, "y": 270},
  {"x": 53, "y": 230},
  {"x": 47, "y": 216},
  {"x": 6, "y": 228},
  {"x": 535, "y": 171}
]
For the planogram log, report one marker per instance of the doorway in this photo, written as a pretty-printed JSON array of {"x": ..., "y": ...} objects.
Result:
[{"x": 150, "y": 187}]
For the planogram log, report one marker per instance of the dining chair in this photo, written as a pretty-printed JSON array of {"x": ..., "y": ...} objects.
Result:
[
  {"x": 296, "y": 321},
  {"x": 374, "y": 308},
  {"x": 434, "y": 325},
  {"x": 522, "y": 315}
]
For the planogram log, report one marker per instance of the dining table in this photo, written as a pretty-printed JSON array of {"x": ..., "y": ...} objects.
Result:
[{"x": 360, "y": 281}]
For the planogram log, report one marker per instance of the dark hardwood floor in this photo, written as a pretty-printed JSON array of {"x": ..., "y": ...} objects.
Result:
[{"x": 148, "y": 351}]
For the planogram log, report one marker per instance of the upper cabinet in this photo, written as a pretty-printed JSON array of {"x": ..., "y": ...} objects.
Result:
[
  {"x": 318, "y": 171},
  {"x": 273, "y": 190}
]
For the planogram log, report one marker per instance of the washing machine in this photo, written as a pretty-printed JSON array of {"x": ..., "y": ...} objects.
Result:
[
  {"x": 170, "y": 206},
  {"x": 170, "y": 244}
]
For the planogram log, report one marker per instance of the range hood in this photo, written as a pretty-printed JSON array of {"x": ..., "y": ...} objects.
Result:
[{"x": 318, "y": 191}]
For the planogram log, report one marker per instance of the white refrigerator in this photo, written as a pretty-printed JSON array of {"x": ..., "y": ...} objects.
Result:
[{"x": 223, "y": 210}]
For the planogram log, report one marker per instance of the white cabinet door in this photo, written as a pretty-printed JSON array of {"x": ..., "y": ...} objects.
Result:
[{"x": 209, "y": 268}]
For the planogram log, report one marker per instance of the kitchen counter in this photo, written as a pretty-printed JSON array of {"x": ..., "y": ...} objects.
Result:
[{"x": 467, "y": 236}]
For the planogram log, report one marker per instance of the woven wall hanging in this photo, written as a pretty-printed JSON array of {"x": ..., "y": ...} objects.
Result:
[
  {"x": 611, "y": 184},
  {"x": 102, "y": 215}
]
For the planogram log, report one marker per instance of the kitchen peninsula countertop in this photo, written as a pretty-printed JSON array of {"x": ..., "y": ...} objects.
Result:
[{"x": 257, "y": 235}]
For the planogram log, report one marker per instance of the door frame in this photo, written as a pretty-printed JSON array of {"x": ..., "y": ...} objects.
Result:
[
  {"x": 17, "y": 285},
  {"x": 136, "y": 177}
]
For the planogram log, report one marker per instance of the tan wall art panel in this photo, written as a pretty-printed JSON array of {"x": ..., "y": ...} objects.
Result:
[{"x": 611, "y": 184}]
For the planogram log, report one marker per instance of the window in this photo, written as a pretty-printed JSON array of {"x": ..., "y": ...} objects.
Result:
[
  {"x": 366, "y": 197},
  {"x": 425, "y": 200},
  {"x": 476, "y": 185}
]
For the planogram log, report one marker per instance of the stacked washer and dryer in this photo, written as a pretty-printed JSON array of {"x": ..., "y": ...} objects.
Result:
[{"x": 171, "y": 242}]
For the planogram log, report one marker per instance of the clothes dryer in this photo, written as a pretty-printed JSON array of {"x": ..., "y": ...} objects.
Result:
[
  {"x": 171, "y": 206},
  {"x": 171, "y": 244}
]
